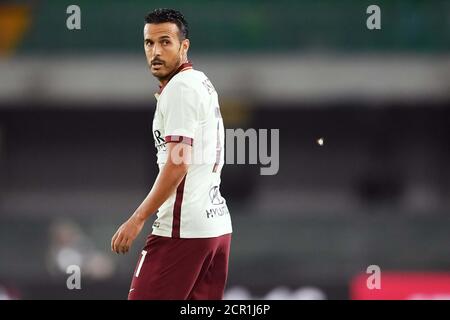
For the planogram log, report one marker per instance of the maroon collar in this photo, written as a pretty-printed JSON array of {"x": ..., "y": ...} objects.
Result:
[{"x": 183, "y": 67}]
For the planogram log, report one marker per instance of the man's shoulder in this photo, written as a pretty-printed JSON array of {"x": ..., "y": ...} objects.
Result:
[{"x": 189, "y": 78}]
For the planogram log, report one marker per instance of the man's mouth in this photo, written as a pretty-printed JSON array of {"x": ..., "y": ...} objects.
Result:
[{"x": 156, "y": 64}]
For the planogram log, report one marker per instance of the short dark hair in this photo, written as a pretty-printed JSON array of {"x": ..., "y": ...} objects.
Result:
[{"x": 163, "y": 15}]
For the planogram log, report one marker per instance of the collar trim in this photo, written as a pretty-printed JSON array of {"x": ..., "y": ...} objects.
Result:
[{"x": 184, "y": 66}]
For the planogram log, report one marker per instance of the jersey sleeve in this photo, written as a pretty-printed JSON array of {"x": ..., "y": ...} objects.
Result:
[{"x": 181, "y": 113}]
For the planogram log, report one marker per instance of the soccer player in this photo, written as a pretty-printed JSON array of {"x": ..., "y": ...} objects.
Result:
[{"x": 186, "y": 256}]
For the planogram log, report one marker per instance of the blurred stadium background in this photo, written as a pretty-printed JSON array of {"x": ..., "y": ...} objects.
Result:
[{"x": 77, "y": 155}]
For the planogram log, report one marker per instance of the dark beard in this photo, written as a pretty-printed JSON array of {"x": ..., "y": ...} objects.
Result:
[{"x": 171, "y": 74}]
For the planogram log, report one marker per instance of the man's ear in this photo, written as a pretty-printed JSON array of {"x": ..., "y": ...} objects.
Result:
[{"x": 186, "y": 43}]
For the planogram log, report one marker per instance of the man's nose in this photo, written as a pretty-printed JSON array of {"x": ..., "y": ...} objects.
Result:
[{"x": 156, "y": 50}]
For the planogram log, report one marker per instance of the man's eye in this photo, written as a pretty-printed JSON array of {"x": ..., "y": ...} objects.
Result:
[{"x": 166, "y": 42}]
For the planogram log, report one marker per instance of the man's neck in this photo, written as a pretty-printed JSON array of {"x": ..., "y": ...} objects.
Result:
[{"x": 185, "y": 64}]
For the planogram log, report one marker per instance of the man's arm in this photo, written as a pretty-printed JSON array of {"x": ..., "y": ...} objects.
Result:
[{"x": 170, "y": 176}]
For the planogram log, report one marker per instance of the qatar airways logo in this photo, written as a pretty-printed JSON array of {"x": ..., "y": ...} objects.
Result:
[{"x": 249, "y": 146}]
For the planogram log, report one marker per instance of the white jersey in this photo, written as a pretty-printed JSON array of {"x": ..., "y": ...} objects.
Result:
[{"x": 188, "y": 111}]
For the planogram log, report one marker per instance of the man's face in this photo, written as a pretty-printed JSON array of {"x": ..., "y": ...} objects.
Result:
[{"x": 163, "y": 48}]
